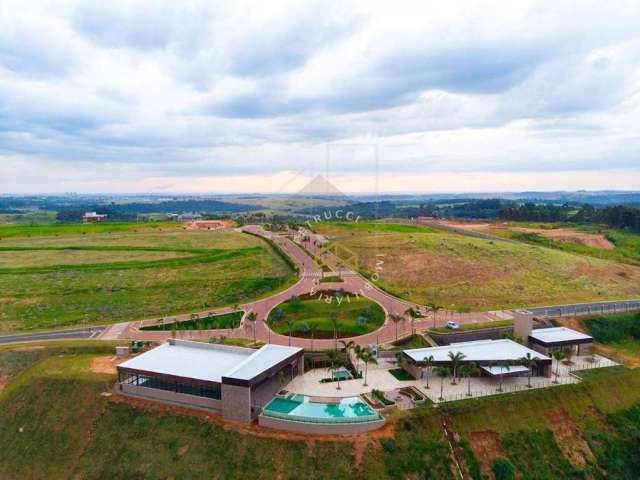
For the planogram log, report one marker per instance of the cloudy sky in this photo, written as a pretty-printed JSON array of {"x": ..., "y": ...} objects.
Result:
[{"x": 260, "y": 96}]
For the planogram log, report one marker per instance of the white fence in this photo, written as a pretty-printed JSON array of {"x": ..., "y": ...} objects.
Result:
[{"x": 475, "y": 393}]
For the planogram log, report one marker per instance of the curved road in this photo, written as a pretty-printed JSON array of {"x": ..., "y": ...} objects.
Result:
[{"x": 353, "y": 283}]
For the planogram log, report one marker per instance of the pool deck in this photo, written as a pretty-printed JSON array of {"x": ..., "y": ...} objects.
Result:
[{"x": 380, "y": 379}]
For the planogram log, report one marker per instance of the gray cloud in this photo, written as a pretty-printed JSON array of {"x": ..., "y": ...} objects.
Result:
[{"x": 173, "y": 89}]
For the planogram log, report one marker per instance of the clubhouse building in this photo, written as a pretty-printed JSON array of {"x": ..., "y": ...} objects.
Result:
[
  {"x": 233, "y": 381},
  {"x": 548, "y": 340},
  {"x": 494, "y": 358}
]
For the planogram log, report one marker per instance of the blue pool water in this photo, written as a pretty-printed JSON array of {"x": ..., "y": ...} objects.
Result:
[{"x": 301, "y": 408}]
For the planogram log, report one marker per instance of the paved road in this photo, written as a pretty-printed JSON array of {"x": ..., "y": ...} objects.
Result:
[
  {"x": 586, "y": 308},
  {"x": 75, "y": 333}
]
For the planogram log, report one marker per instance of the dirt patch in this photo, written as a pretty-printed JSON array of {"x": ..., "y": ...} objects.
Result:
[
  {"x": 409, "y": 269},
  {"x": 574, "y": 324},
  {"x": 106, "y": 364},
  {"x": 594, "y": 240},
  {"x": 618, "y": 355},
  {"x": 487, "y": 447},
  {"x": 568, "y": 438},
  {"x": 209, "y": 224},
  {"x": 463, "y": 225},
  {"x": 3, "y": 383}
]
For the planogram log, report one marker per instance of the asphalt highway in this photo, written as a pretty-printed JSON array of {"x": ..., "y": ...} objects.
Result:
[{"x": 75, "y": 333}]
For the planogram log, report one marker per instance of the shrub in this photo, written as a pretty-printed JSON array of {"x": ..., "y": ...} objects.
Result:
[
  {"x": 389, "y": 445},
  {"x": 503, "y": 469},
  {"x": 614, "y": 328}
]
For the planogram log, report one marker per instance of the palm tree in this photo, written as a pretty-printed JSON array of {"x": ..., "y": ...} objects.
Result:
[
  {"x": 442, "y": 372},
  {"x": 558, "y": 355},
  {"x": 434, "y": 308},
  {"x": 289, "y": 322},
  {"x": 456, "y": 358},
  {"x": 413, "y": 314},
  {"x": 333, "y": 318},
  {"x": 530, "y": 362},
  {"x": 303, "y": 327},
  {"x": 278, "y": 314},
  {"x": 396, "y": 319},
  {"x": 428, "y": 362},
  {"x": 367, "y": 357},
  {"x": 357, "y": 349},
  {"x": 252, "y": 317},
  {"x": 335, "y": 361},
  {"x": 468, "y": 370},
  {"x": 312, "y": 330}
]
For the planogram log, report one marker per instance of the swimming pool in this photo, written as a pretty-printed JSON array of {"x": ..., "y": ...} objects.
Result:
[{"x": 303, "y": 408}]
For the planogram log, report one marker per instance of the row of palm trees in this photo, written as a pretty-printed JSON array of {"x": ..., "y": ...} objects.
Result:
[{"x": 470, "y": 369}]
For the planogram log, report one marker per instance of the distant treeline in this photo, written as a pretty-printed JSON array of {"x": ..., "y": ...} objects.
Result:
[
  {"x": 130, "y": 211},
  {"x": 618, "y": 216}
]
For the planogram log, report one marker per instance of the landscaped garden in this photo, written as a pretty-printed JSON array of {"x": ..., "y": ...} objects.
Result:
[
  {"x": 210, "y": 322},
  {"x": 325, "y": 315}
]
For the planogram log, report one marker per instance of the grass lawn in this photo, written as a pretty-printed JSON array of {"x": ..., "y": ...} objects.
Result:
[
  {"x": 59, "y": 275},
  {"x": 227, "y": 320},
  {"x": 401, "y": 374},
  {"x": 414, "y": 341},
  {"x": 331, "y": 278},
  {"x": 355, "y": 315},
  {"x": 460, "y": 272}
]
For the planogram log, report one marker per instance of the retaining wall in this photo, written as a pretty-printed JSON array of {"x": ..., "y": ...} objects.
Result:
[
  {"x": 469, "y": 336},
  {"x": 320, "y": 428}
]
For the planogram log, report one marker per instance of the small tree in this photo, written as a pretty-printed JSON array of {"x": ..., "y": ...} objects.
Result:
[
  {"x": 530, "y": 362},
  {"x": 294, "y": 301},
  {"x": 503, "y": 469},
  {"x": 335, "y": 362},
  {"x": 442, "y": 372},
  {"x": 468, "y": 370},
  {"x": 456, "y": 358},
  {"x": 428, "y": 363}
]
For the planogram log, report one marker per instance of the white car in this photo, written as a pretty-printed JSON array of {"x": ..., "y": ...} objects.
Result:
[{"x": 452, "y": 325}]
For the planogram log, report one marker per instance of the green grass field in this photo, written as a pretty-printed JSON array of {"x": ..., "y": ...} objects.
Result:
[
  {"x": 355, "y": 315},
  {"x": 460, "y": 272},
  {"x": 55, "y": 424},
  {"x": 52, "y": 276}
]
